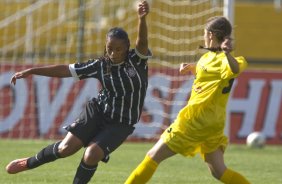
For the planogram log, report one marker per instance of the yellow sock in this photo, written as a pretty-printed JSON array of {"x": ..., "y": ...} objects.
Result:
[
  {"x": 143, "y": 172},
  {"x": 232, "y": 177}
]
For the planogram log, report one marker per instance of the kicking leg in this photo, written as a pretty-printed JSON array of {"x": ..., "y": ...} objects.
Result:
[
  {"x": 215, "y": 162},
  {"x": 148, "y": 166},
  {"x": 68, "y": 146}
]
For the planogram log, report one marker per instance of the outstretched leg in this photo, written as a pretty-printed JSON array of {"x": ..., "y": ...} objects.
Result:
[
  {"x": 68, "y": 146},
  {"x": 145, "y": 170},
  {"x": 218, "y": 169}
]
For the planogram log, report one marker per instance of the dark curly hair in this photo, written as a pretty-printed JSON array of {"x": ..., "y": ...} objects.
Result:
[
  {"x": 115, "y": 32},
  {"x": 119, "y": 33}
]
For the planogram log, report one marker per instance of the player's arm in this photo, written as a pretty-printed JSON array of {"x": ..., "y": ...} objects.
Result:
[
  {"x": 60, "y": 71},
  {"x": 226, "y": 46},
  {"x": 142, "y": 30},
  {"x": 186, "y": 68}
]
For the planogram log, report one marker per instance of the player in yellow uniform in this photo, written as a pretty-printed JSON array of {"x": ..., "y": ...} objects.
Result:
[{"x": 199, "y": 126}]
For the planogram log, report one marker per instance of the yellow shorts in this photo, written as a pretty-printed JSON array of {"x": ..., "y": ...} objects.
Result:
[{"x": 181, "y": 137}]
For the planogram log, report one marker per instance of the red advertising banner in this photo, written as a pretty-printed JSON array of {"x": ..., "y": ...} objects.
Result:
[
  {"x": 256, "y": 105},
  {"x": 40, "y": 106}
]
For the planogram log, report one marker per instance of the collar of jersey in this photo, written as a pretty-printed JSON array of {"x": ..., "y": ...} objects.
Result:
[{"x": 117, "y": 64}]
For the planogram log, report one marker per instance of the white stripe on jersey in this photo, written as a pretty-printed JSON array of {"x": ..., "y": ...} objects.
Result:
[
  {"x": 114, "y": 98},
  {"x": 86, "y": 66},
  {"x": 103, "y": 81},
  {"x": 131, "y": 97},
  {"x": 122, "y": 106},
  {"x": 91, "y": 74},
  {"x": 140, "y": 87},
  {"x": 102, "y": 76}
]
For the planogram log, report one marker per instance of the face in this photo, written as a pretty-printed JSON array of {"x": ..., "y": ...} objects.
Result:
[{"x": 116, "y": 49}]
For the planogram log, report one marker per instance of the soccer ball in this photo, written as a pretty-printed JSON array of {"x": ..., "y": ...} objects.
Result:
[{"x": 255, "y": 140}]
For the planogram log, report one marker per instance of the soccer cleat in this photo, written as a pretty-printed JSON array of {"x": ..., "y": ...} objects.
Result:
[{"x": 16, "y": 166}]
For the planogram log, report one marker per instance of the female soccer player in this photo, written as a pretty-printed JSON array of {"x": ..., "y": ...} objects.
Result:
[
  {"x": 108, "y": 119},
  {"x": 199, "y": 126}
]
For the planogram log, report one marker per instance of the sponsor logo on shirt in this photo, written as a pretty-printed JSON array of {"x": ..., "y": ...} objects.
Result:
[{"x": 130, "y": 71}]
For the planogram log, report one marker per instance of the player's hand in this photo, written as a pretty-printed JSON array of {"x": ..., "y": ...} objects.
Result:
[
  {"x": 143, "y": 9},
  {"x": 226, "y": 45},
  {"x": 19, "y": 75},
  {"x": 187, "y": 68}
]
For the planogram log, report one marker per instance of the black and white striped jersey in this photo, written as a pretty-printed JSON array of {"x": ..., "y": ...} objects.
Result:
[{"x": 124, "y": 85}]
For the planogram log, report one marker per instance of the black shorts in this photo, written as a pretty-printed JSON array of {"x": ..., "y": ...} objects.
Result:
[{"x": 91, "y": 126}]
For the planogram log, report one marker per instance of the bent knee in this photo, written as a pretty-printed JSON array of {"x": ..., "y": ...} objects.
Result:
[
  {"x": 151, "y": 153},
  {"x": 64, "y": 150},
  {"x": 93, "y": 154},
  {"x": 67, "y": 149},
  {"x": 155, "y": 155}
]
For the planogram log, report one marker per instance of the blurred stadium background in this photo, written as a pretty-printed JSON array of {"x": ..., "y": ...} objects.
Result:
[{"x": 41, "y": 32}]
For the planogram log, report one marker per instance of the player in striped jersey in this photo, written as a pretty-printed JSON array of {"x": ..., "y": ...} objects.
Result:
[
  {"x": 199, "y": 126},
  {"x": 108, "y": 119}
]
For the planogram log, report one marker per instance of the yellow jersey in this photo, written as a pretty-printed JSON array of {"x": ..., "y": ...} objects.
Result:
[
  {"x": 210, "y": 90},
  {"x": 199, "y": 126}
]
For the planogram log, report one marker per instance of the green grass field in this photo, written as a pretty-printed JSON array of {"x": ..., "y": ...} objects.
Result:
[{"x": 261, "y": 166}]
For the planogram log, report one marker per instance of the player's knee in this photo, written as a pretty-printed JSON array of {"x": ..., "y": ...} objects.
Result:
[
  {"x": 62, "y": 149},
  {"x": 154, "y": 156},
  {"x": 93, "y": 155},
  {"x": 66, "y": 150},
  {"x": 151, "y": 153}
]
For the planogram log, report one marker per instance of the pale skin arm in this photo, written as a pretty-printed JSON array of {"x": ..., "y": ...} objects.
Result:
[
  {"x": 142, "y": 30},
  {"x": 187, "y": 67},
  {"x": 226, "y": 46},
  {"x": 60, "y": 71}
]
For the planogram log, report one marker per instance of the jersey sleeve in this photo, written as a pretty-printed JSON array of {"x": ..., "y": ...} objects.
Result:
[
  {"x": 141, "y": 56},
  {"x": 226, "y": 71},
  {"x": 85, "y": 70}
]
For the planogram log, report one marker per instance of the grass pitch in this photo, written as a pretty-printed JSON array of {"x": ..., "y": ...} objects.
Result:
[{"x": 260, "y": 166}]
